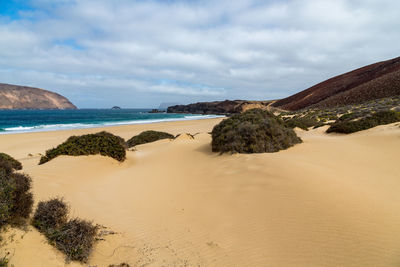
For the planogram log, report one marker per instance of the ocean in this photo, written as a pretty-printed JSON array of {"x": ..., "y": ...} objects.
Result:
[{"x": 22, "y": 121}]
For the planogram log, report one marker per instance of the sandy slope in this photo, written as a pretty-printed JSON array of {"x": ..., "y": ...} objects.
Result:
[{"x": 331, "y": 201}]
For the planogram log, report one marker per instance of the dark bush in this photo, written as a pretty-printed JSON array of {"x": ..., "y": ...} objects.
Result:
[
  {"x": 347, "y": 123},
  {"x": 15, "y": 164},
  {"x": 102, "y": 143},
  {"x": 75, "y": 238},
  {"x": 148, "y": 137},
  {"x": 23, "y": 199},
  {"x": 50, "y": 215},
  {"x": 119, "y": 265},
  {"x": 15, "y": 199},
  {"x": 301, "y": 122},
  {"x": 253, "y": 131}
]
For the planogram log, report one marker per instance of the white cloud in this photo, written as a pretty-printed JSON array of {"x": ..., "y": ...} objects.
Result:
[{"x": 101, "y": 53}]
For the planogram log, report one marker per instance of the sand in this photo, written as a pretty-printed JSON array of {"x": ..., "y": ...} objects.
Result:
[{"x": 331, "y": 201}]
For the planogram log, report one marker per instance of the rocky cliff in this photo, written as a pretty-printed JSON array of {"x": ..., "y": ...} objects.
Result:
[{"x": 23, "y": 97}]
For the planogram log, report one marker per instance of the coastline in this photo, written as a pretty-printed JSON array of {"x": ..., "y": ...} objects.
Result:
[
  {"x": 103, "y": 124},
  {"x": 175, "y": 202}
]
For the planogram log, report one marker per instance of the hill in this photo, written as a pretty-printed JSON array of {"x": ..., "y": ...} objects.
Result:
[
  {"x": 371, "y": 82},
  {"x": 218, "y": 107},
  {"x": 23, "y": 97}
]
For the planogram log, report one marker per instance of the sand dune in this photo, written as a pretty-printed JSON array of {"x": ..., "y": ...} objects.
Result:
[{"x": 330, "y": 201}]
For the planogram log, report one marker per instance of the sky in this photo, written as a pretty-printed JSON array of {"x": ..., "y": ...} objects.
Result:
[{"x": 138, "y": 54}]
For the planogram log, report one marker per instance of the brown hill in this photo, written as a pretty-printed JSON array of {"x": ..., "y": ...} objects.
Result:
[
  {"x": 371, "y": 82},
  {"x": 218, "y": 107},
  {"x": 23, "y": 97}
]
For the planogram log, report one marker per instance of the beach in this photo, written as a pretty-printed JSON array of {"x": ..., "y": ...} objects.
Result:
[{"x": 330, "y": 201}]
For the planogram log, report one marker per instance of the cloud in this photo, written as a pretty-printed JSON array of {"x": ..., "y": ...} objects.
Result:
[{"x": 101, "y": 53}]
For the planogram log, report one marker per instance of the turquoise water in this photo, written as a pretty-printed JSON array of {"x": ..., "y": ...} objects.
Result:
[{"x": 18, "y": 121}]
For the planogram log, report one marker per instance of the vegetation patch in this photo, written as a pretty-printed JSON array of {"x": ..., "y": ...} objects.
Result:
[
  {"x": 148, "y": 137},
  {"x": 302, "y": 122},
  {"x": 16, "y": 200},
  {"x": 102, "y": 143},
  {"x": 15, "y": 164},
  {"x": 118, "y": 265},
  {"x": 50, "y": 215},
  {"x": 75, "y": 238},
  {"x": 350, "y": 123},
  {"x": 3, "y": 262},
  {"x": 253, "y": 131}
]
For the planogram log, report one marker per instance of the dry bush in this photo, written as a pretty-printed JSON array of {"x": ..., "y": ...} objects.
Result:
[
  {"x": 75, "y": 238},
  {"x": 50, "y": 215}
]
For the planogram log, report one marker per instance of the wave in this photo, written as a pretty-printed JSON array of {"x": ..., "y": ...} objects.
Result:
[{"x": 68, "y": 126}]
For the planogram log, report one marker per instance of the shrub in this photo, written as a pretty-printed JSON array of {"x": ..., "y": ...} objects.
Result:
[
  {"x": 75, "y": 238},
  {"x": 102, "y": 143},
  {"x": 253, "y": 131},
  {"x": 15, "y": 164},
  {"x": 119, "y": 265},
  {"x": 346, "y": 124},
  {"x": 23, "y": 199},
  {"x": 148, "y": 137},
  {"x": 301, "y": 122},
  {"x": 50, "y": 215},
  {"x": 15, "y": 199}
]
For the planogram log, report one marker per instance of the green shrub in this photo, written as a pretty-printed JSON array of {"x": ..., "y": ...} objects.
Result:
[
  {"x": 75, "y": 238},
  {"x": 50, "y": 215},
  {"x": 15, "y": 199},
  {"x": 301, "y": 122},
  {"x": 148, "y": 137},
  {"x": 253, "y": 131},
  {"x": 346, "y": 124},
  {"x": 102, "y": 143},
  {"x": 15, "y": 164}
]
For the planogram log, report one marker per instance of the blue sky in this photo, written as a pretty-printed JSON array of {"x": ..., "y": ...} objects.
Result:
[
  {"x": 11, "y": 8},
  {"x": 101, "y": 53}
]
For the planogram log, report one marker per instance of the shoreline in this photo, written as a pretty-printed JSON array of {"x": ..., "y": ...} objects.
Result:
[{"x": 111, "y": 124}]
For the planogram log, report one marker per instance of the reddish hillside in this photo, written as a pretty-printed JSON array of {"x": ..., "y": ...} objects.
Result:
[{"x": 371, "y": 82}]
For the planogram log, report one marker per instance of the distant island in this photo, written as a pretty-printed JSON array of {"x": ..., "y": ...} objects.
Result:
[
  {"x": 116, "y": 107},
  {"x": 24, "y": 97}
]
